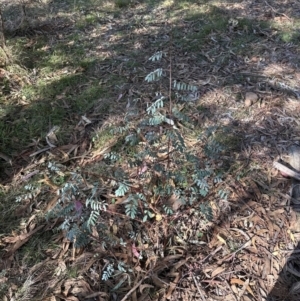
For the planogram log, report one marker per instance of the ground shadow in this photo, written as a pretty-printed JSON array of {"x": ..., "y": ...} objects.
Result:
[{"x": 286, "y": 287}]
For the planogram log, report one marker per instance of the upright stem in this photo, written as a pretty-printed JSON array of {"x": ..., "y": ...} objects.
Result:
[
  {"x": 170, "y": 74},
  {"x": 2, "y": 37},
  {"x": 170, "y": 92}
]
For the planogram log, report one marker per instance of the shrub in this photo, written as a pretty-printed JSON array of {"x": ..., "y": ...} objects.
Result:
[{"x": 153, "y": 166}]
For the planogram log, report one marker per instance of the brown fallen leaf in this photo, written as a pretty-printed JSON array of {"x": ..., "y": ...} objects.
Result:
[
  {"x": 52, "y": 298},
  {"x": 18, "y": 241},
  {"x": 22, "y": 210},
  {"x": 158, "y": 282},
  {"x": 69, "y": 298},
  {"x": 222, "y": 240},
  {"x": 217, "y": 271},
  {"x": 174, "y": 202},
  {"x": 82, "y": 287},
  {"x": 143, "y": 286},
  {"x": 243, "y": 289},
  {"x": 241, "y": 282},
  {"x": 52, "y": 203},
  {"x": 245, "y": 298},
  {"x": 158, "y": 217},
  {"x": 48, "y": 182},
  {"x": 172, "y": 286}
]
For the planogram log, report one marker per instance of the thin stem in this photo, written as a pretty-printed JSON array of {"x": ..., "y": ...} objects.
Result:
[
  {"x": 170, "y": 93},
  {"x": 2, "y": 37},
  {"x": 135, "y": 287},
  {"x": 170, "y": 74}
]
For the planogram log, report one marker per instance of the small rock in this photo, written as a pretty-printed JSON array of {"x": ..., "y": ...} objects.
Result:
[{"x": 250, "y": 99}]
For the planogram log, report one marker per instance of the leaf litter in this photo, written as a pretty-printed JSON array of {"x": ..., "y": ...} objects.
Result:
[{"x": 246, "y": 250}]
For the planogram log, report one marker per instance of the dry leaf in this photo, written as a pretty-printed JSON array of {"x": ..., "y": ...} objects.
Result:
[
  {"x": 158, "y": 217},
  {"x": 143, "y": 286},
  {"x": 172, "y": 286},
  {"x": 52, "y": 298},
  {"x": 158, "y": 282},
  {"x": 241, "y": 282},
  {"x": 82, "y": 288},
  {"x": 235, "y": 289},
  {"x": 222, "y": 240},
  {"x": 61, "y": 268},
  {"x": 292, "y": 237},
  {"x": 245, "y": 298},
  {"x": 48, "y": 182},
  {"x": 67, "y": 286},
  {"x": 174, "y": 202},
  {"x": 22, "y": 210},
  {"x": 242, "y": 291},
  {"x": 115, "y": 229},
  {"x": 266, "y": 268},
  {"x": 76, "y": 286},
  {"x": 72, "y": 298},
  {"x": 19, "y": 241},
  {"x": 217, "y": 271},
  {"x": 270, "y": 228}
]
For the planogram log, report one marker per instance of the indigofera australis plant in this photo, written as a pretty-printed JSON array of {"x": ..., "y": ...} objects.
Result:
[
  {"x": 165, "y": 167},
  {"x": 153, "y": 167},
  {"x": 150, "y": 172}
]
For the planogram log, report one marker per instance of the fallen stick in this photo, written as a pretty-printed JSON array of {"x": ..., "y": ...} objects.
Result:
[{"x": 134, "y": 288}]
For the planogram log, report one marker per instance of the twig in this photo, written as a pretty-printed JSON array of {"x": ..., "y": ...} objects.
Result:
[
  {"x": 233, "y": 293},
  {"x": 2, "y": 37},
  {"x": 198, "y": 288},
  {"x": 170, "y": 94},
  {"x": 231, "y": 255},
  {"x": 276, "y": 12},
  {"x": 40, "y": 151},
  {"x": 135, "y": 287},
  {"x": 170, "y": 74},
  {"x": 212, "y": 253},
  {"x": 28, "y": 176}
]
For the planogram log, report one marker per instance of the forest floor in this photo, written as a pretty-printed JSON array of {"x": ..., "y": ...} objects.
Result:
[{"x": 74, "y": 69}]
